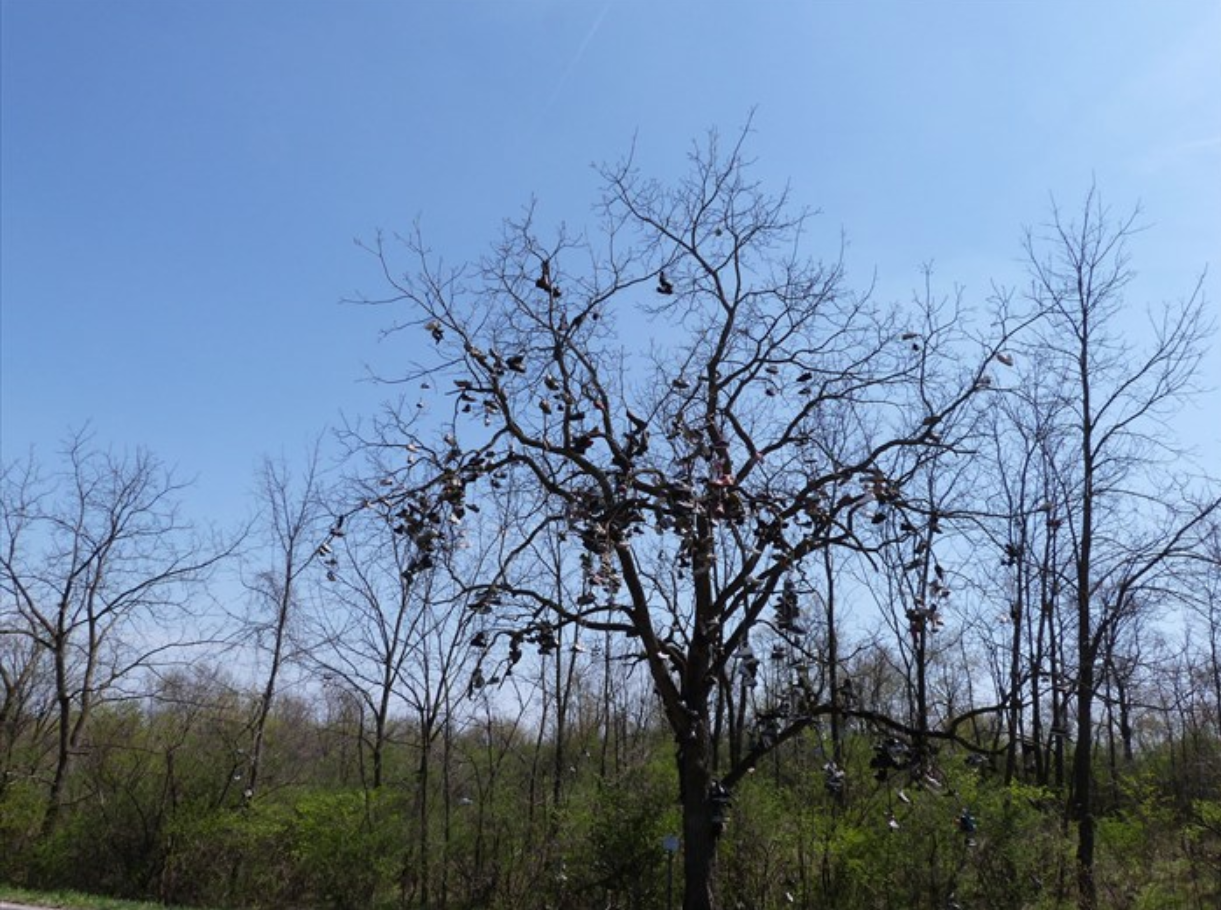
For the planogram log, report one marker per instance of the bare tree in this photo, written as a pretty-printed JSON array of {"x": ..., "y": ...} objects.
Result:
[
  {"x": 97, "y": 569},
  {"x": 1204, "y": 601},
  {"x": 1027, "y": 440},
  {"x": 1121, "y": 501},
  {"x": 697, "y": 486},
  {"x": 24, "y": 698},
  {"x": 291, "y": 524},
  {"x": 362, "y": 626},
  {"x": 390, "y": 626}
]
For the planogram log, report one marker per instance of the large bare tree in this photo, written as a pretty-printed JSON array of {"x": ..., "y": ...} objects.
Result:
[{"x": 698, "y": 410}]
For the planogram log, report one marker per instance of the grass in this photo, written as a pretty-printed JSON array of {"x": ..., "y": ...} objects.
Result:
[{"x": 73, "y": 900}]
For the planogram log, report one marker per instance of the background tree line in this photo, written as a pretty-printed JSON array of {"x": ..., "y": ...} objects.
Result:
[{"x": 875, "y": 605}]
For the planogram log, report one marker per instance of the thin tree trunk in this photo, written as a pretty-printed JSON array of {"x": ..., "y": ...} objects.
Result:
[
  {"x": 837, "y": 738},
  {"x": 1013, "y": 714},
  {"x": 269, "y": 692},
  {"x": 1082, "y": 784},
  {"x": 423, "y": 782}
]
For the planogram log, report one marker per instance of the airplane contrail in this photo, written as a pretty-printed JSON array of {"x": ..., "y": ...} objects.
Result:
[{"x": 577, "y": 57}]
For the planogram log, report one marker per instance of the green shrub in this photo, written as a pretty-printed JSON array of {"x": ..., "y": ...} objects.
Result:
[
  {"x": 22, "y": 806},
  {"x": 231, "y": 857},
  {"x": 345, "y": 847}
]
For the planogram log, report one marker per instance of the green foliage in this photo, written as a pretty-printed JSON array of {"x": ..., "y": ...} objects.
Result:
[
  {"x": 345, "y": 845},
  {"x": 22, "y": 805},
  {"x": 231, "y": 857},
  {"x": 1202, "y": 849},
  {"x": 621, "y": 852},
  {"x": 897, "y": 843},
  {"x": 761, "y": 856},
  {"x": 1148, "y": 857},
  {"x": 325, "y": 848},
  {"x": 157, "y": 813},
  {"x": 1021, "y": 849}
]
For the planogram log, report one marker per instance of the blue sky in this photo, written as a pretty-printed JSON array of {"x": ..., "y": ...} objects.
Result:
[{"x": 182, "y": 181}]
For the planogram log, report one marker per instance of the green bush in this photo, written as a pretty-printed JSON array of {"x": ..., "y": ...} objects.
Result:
[
  {"x": 22, "y": 806},
  {"x": 346, "y": 847},
  {"x": 623, "y": 855},
  {"x": 231, "y": 857}
]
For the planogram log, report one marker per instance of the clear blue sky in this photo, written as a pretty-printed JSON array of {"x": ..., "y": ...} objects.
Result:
[{"x": 182, "y": 181}]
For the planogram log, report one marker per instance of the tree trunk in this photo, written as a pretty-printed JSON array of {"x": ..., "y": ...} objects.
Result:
[
  {"x": 423, "y": 782},
  {"x": 699, "y": 831},
  {"x": 69, "y": 728},
  {"x": 1042, "y": 757},
  {"x": 1087, "y": 896},
  {"x": 379, "y": 739},
  {"x": 837, "y": 736},
  {"x": 266, "y": 700},
  {"x": 63, "y": 755},
  {"x": 1126, "y": 733},
  {"x": 1013, "y": 714},
  {"x": 1214, "y": 633}
]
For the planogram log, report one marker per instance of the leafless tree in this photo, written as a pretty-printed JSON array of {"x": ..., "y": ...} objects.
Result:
[
  {"x": 1204, "y": 603},
  {"x": 1025, "y": 549},
  {"x": 24, "y": 699},
  {"x": 777, "y": 414},
  {"x": 390, "y": 626},
  {"x": 1121, "y": 501},
  {"x": 292, "y": 527},
  {"x": 97, "y": 569}
]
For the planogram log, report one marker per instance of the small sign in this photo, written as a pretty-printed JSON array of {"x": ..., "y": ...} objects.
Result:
[{"x": 669, "y": 843}]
